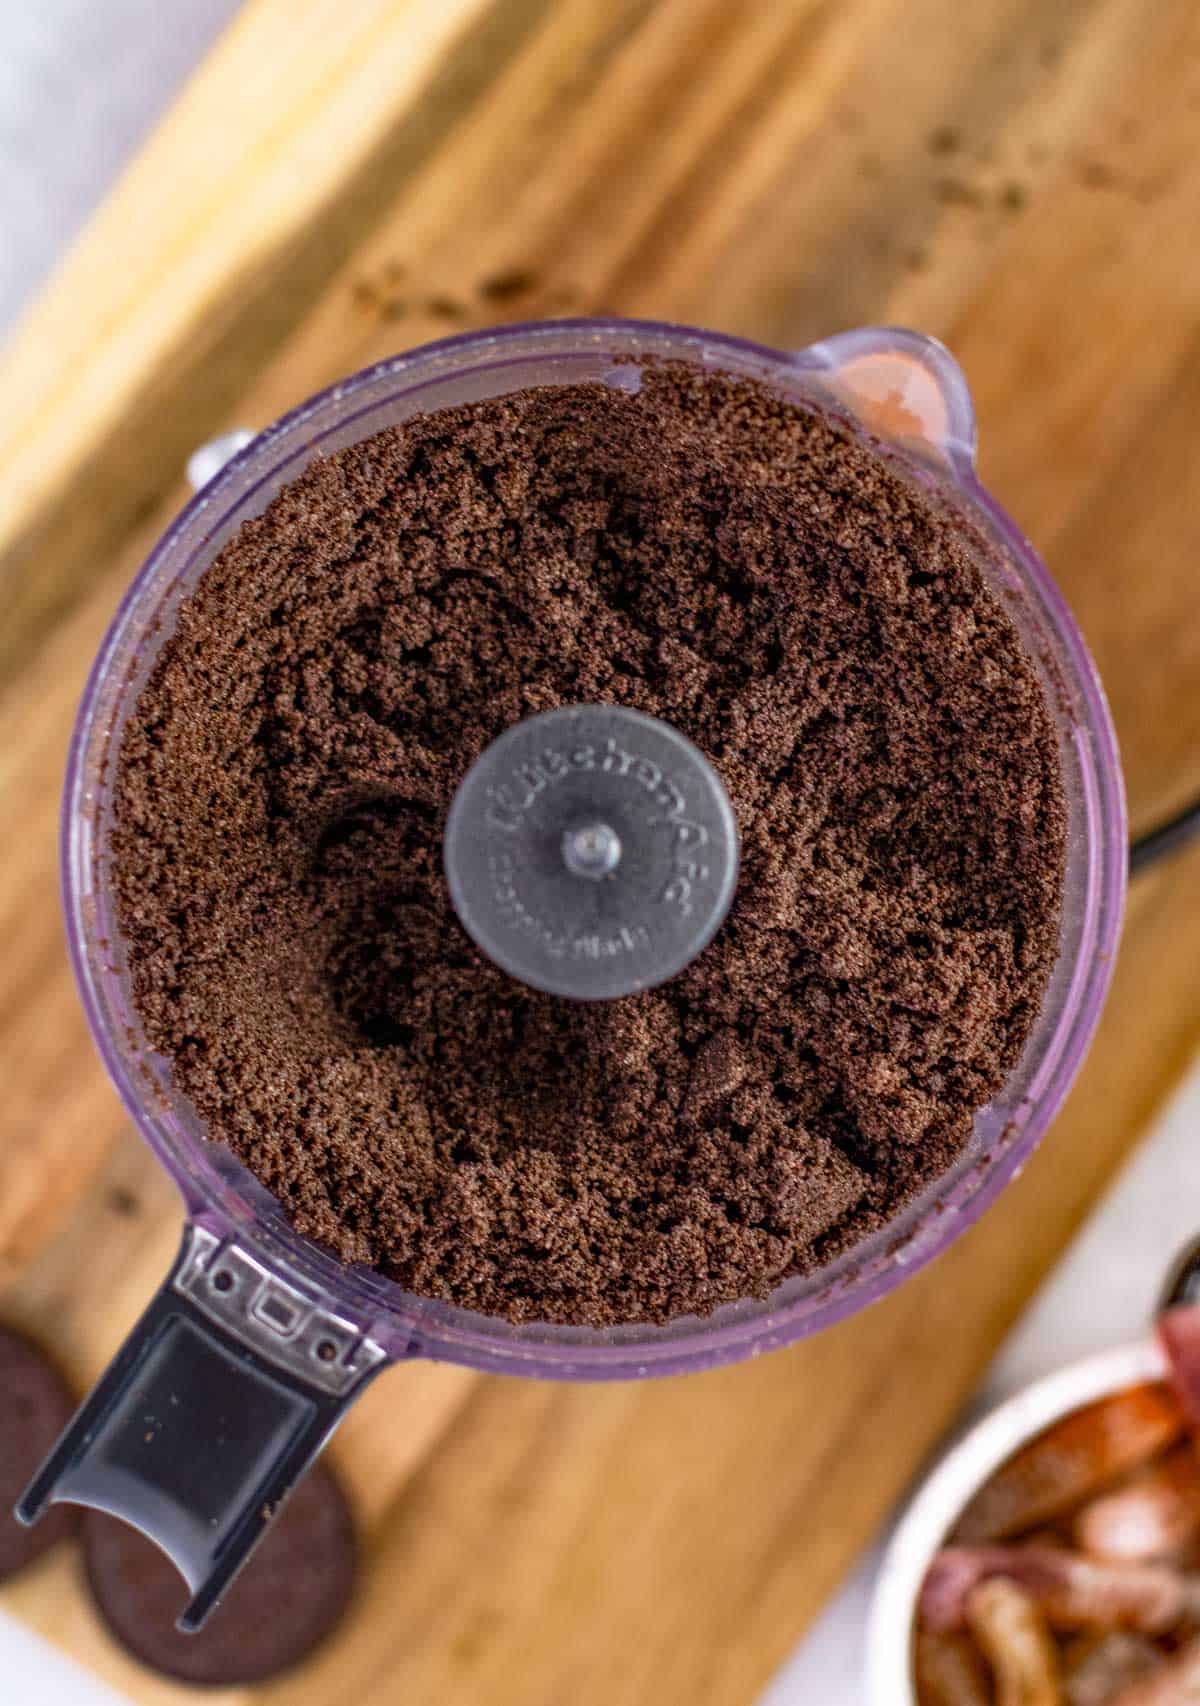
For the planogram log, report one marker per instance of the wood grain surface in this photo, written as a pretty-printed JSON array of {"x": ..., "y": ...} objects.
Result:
[{"x": 1019, "y": 177}]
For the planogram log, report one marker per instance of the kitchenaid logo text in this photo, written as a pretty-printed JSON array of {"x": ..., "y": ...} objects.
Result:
[
  {"x": 508, "y": 804},
  {"x": 592, "y": 946}
]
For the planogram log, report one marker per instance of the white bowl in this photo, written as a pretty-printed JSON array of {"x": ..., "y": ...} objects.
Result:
[{"x": 944, "y": 1494}]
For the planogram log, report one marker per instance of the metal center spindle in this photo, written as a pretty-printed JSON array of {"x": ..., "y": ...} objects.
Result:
[{"x": 592, "y": 851}]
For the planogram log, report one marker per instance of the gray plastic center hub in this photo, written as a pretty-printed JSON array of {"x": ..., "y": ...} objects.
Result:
[{"x": 591, "y": 851}]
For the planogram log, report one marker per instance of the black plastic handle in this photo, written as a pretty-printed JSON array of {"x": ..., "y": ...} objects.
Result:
[{"x": 209, "y": 1414}]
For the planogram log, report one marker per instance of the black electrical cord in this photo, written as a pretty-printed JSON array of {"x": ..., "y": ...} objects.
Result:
[{"x": 1148, "y": 849}]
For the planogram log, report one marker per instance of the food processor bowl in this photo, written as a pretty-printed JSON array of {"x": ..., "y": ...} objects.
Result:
[{"x": 257, "y": 1320}]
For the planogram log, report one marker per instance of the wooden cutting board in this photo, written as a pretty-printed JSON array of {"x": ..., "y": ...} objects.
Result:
[{"x": 345, "y": 178}]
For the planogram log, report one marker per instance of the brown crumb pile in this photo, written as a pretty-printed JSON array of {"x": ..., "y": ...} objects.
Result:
[{"x": 712, "y": 555}]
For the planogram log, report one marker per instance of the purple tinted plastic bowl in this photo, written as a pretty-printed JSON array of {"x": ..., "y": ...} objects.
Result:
[{"x": 905, "y": 395}]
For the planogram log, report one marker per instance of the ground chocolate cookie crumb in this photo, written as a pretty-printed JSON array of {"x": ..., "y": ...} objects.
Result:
[{"x": 711, "y": 555}]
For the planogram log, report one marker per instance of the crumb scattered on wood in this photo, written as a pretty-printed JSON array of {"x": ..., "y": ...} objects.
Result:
[
  {"x": 946, "y": 139},
  {"x": 954, "y": 192},
  {"x": 512, "y": 281}
]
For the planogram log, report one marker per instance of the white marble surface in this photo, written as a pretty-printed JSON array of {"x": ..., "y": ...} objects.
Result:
[
  {"x": 37, "y": 1674},
  {"x": 80, "y": 83}
]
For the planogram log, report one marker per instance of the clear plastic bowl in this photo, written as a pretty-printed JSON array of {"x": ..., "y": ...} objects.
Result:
[
  {"x": 878, "y": 378},
  {"x": 904, "y": 395}
]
